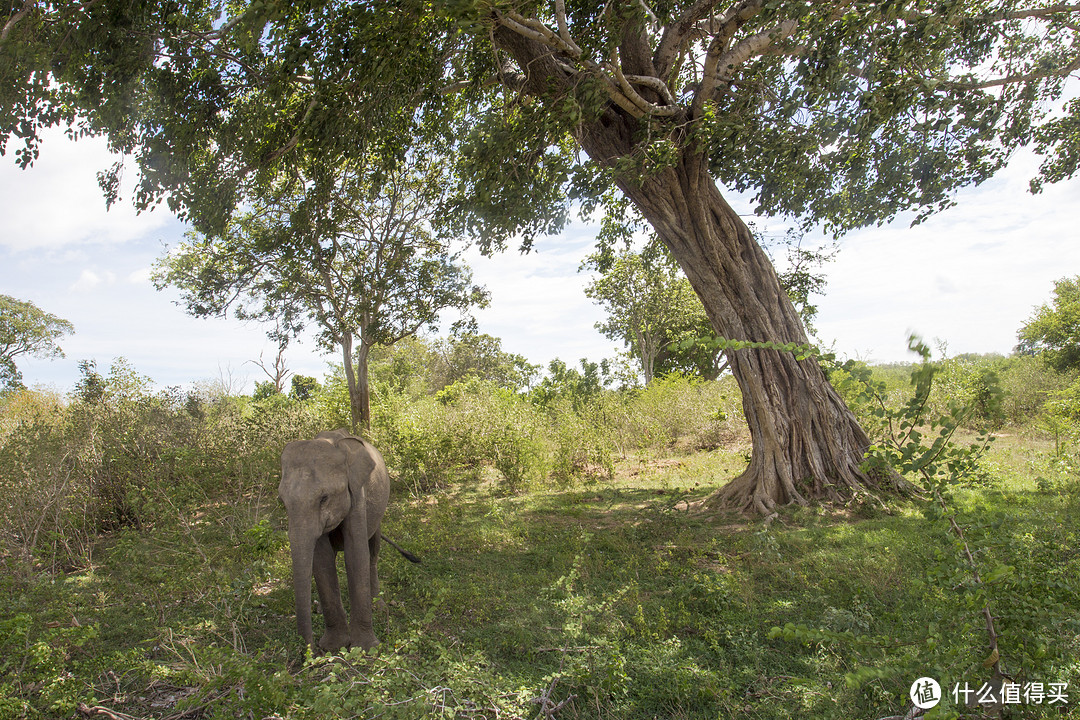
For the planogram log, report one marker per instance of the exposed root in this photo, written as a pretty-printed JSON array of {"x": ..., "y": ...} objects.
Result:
[{"x": 757, "y": 494}]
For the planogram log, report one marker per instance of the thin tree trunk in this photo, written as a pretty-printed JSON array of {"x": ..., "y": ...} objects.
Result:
[
  {"x": 363, "y": 385},
  {"x": 356, "y": 376},
  {"x": 647, "y": 352},
  {"x": 350, "y": 380}
]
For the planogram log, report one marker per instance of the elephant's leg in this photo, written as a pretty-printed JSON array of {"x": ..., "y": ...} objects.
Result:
[
  {"x": 358, "y": 569},
  {"x": 326, "y": 582},
  {"x": 373, "y": 552}
]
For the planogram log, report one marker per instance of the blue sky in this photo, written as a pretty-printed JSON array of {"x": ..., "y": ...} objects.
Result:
[{"x": 969, "y": 276}]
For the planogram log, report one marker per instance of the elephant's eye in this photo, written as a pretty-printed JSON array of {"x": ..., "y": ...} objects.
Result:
[{"x": 323, "y": 499}]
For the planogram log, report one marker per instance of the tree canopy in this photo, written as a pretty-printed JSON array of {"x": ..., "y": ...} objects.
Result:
[
  {"x": 26, "y": 329},
  {"x": 1053, "y": 330},
  {"x": 837, "y": 112},
  {"x": 649, "y": 305},
  {"x": 354, "y": 254}
]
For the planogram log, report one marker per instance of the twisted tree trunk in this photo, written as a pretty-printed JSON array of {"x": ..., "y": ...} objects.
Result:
[{"x": 807, "y": 444}]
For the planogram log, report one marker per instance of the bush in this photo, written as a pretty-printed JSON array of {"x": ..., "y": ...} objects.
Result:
[
  {"x": 584, "y": 440},
  {"x": 117, "y": 455},
  {"x": 971, "y": 381},
  {"x": 431, "y": 441},
  {"x": 682, "y": 410},
  {"x": 1028, "y": 383}
]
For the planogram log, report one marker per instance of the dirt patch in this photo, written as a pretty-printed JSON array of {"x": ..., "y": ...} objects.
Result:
[{"x": 648, "y": 467}]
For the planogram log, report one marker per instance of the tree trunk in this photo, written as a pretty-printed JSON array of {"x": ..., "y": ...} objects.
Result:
[
  {"x": 647, "y": 353},
  {"x": 363, "y": 386},
  {"x": 806, "y": 442},
  {"x": 356, "y": 376}
]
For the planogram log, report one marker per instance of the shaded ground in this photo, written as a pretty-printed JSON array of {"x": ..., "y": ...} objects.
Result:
[{"x": 604, "y": 600}]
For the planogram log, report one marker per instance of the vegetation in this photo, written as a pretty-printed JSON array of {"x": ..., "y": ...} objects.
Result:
[
  {"x": 26, "y": 329},
  {"x": 650, "y": 305},
  {"x": 1053, "y": 330},
  {"x": 568, "y": 569},
  {"x": 575, "y": 562},
  {"x": 836, "y": 114}
]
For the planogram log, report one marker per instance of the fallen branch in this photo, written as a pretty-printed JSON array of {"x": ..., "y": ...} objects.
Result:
[
  {"x": 87, "y": 711},
  {"x": 548, "y": 708}
]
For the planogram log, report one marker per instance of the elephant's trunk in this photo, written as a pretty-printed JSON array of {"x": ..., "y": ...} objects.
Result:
[{"x": 302, "y": 550}]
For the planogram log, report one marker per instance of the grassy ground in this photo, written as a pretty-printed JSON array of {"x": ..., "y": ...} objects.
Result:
[{"x": 614, "y": 599}]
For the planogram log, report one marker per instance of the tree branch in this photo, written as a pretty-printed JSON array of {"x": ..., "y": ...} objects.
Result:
[
  {"x": 676, "y": 35},
  {"x": 618, "y": 86},
  {"x": 720, "y": 69},
  {"x": 693, "y": 25},
  {"x": 531, "y": 27},
  {"x": 751, "y": 46},
  {"x": 560, "y": 19},
  {"x": 1013, "y": 79},
  {"x": 27, "y": 6},
  {"x": 646, "y": 107}
]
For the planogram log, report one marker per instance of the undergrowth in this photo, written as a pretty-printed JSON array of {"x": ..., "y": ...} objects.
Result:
[{"x": 564, "y": 583}]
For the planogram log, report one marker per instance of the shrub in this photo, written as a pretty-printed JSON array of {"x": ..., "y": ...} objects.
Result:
[
  {"x": 684, "y": 410},
  {"x": 1028, "y": 383},
  {"x": 973, "y": 382},
  {"x": 429, "y": 442},
  {"x": 584, "y": 439},
  {"x": 118, "y": 455}
]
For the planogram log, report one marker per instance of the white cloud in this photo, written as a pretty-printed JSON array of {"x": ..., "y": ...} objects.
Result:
[
  {"x": 56, "y": 203},
  {"x": 140, "y": 276},
  {"x": 969, "y": 275},
  {"x": 90, "y": 280}
]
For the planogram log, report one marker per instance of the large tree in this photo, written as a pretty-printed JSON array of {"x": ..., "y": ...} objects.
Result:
[
  {"x": 353, "y": 254},
  {"x": 839, "y": 112}
]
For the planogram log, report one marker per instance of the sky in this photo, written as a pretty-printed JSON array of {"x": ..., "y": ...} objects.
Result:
[{"x": 968, "y": 277}]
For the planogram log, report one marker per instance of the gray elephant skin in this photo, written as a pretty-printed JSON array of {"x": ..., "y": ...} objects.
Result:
[{"x": 335, "y": 489}]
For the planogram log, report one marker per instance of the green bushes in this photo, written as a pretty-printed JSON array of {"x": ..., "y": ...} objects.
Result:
[
  {"x": 567, "y": 429},
  {"x": 683, "y": 410},
  {"x": 117, "y": 455},
  {"x": 431, "y": 441},
  {"x": 997, "y": 391}
]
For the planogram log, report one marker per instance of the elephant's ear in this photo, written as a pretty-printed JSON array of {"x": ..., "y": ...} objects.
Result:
[{"x": 359, "y": 458}]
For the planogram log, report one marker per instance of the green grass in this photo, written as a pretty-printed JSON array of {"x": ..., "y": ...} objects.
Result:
[{"x": 615, "y": 599}]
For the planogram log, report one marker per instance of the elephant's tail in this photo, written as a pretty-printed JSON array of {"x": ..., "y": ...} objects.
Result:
[{"x": 405, "y": 553}]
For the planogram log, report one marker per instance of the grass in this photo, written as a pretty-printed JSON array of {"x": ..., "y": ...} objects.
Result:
[{"x": 613, "y": 599}]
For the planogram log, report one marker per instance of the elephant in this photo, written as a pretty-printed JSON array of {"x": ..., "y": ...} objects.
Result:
[{"x": 335, "y": 489}]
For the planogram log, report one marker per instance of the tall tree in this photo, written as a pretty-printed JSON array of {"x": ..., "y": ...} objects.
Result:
[
  {"x": 357, "y": 256},
  {"x": 26, "y": 329},
  {"x": 840, "y": 112}
]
